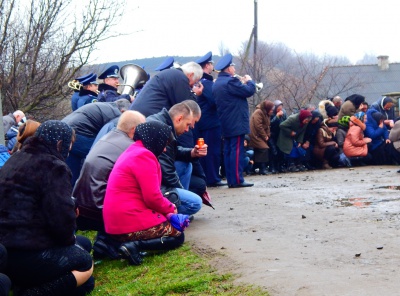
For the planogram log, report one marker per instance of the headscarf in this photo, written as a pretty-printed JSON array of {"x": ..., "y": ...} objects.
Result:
[
  {"x": 360, "y": 115},
  {"x": 303, "y": 115},
  {"x": 386, "y": 100},
  {"x": 331, "y": 111},
  {"x": 154, "y": 136},
  {"x": 52, "y": 131},
  {"x": 268, "y": 106}
]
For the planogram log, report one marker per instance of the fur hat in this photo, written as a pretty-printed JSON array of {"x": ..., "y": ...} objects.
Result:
[{"x": 26, "y": 130}]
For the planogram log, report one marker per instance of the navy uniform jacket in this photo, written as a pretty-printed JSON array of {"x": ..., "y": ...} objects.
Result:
[
  {"x": 86, "y": 97},
  {"x": 109, "y": 93},
  {"x": 89, "y": 119},
  {"x": 164, "y": 90},
  {"x": 231, "y": 98},
  {"x": 74, "y": 100},
  {"x": 209, "y": 116}
]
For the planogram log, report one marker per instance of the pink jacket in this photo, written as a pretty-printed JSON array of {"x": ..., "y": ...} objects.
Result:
[
  {"x": 133, "y": 200},
  {"x": 354, "y": 144}
]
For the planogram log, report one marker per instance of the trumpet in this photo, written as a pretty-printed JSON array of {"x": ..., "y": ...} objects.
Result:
[
  {"x": 259, "y": 85},
  {"x": 74, "y": 84}
]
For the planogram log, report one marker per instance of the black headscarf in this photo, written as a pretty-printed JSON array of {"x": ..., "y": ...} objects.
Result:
[
  {"x": 154, "y": 136},
  {"x": 356, "y": 99},
  {"x": 52, "y": 131}
]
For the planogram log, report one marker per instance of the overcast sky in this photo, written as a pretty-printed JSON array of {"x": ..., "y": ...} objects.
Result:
[{"x": 349, "y": 28}]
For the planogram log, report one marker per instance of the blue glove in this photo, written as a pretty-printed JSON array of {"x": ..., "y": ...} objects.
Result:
[{"x": 179, "y": 221}]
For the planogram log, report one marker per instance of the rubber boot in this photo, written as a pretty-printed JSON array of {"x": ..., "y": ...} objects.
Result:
[{"x": 131, "y": 250}]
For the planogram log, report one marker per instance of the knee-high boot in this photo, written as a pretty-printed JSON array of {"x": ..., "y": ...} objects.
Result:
[{"x": 131, "y": 250}]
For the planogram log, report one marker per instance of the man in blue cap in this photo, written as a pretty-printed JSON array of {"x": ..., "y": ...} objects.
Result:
[
  {"x": 209, "y": 127},
  {"x": 88, "y": 91},
  {"x": 76, "y": 86},
  {"x": 231, "y": 95},
  {"x": 108, "y": 89},
  {"x": 166, "y": 64}
]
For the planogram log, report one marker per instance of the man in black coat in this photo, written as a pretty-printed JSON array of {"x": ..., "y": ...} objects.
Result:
[{"x": 167, "y": 88}]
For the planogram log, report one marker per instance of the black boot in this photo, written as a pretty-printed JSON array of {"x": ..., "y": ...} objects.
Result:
[
  {"x": 131, "y": 250},
  {"x": 263, "y": 169},
  {"x": 105, "y": 246},
  {"x": 272, "y": 167}
]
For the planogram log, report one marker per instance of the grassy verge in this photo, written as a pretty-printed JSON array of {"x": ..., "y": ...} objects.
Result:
[{"x": 177, "y": 272}]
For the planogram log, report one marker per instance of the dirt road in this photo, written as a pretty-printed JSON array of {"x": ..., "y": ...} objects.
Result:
[{"x": 331, "y": 232}]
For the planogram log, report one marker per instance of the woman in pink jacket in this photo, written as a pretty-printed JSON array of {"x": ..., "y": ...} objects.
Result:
[
  {"x": 355, "y": 144},
  {"x": 135, "y": 211}
]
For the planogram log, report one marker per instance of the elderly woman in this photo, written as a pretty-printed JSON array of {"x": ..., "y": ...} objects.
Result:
[
  {"x": 38, "y": 218},
  {"x": 135, "y": 211},
  {"x": 326, "y": 149},
  {"x": 291, "y": 137},
  {"x": 260, "y": 134}
]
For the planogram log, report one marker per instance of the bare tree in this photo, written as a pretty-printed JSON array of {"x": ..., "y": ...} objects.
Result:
[{"x": 45, "y": 45}]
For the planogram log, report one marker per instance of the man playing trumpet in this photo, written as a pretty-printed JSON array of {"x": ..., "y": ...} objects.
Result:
[{"x": 231, "y": 98}]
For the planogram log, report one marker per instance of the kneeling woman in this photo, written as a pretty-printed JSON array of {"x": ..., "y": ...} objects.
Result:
[
  {"x": 135, "y": 211},
  {"x": 38, "y": 219}
]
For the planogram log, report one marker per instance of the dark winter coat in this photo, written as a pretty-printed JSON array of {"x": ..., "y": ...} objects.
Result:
[
  {"x": 165, "y": 89},
  {"x": 170, "y": 178},
  {"x": 89, "y": 119},
  {"x": 233, "y": 110},
  {"x": 324, "y": 139},
  {"x": 36, "y": 208},
  {"x": 378, "y": 105},
  {"x": 285, "y": 140}
]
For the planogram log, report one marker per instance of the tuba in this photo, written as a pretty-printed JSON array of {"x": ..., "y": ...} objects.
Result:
[{"x": 134, "y": 77}]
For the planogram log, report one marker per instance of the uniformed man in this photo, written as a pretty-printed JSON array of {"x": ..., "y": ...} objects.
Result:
[
  {"x": 209, "y": 127},
  {"x": 88, "y": 91},
  {"x": 108, "y": 89},
  {"x": 231, "y": 95},
  {"x": 76, "y": 86}
]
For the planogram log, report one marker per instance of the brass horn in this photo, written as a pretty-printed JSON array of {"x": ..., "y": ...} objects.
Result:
[
  {"x": 74, "y": 84},
  {"x": 259, "y": 85},
  {"x": 134, "y": 77}
]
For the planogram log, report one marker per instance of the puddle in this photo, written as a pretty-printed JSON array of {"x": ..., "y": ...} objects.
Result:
[
  {"x": 362, "y": 202},
  {"x": 393, "y": 187},
  {"x": 358, "y": 202}
]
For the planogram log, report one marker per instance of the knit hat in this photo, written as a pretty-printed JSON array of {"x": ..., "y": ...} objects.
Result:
[
  {"x": 356, "y": 99},
  {"x": 331, "y": 111},
  {"x": 344, "y": 121}
]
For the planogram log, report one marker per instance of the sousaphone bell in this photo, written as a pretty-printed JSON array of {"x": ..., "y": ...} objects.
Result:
[{"x": 134, "y": 78}]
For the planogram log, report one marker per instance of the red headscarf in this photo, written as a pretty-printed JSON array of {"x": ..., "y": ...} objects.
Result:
[{"x": 303, "y": 115}]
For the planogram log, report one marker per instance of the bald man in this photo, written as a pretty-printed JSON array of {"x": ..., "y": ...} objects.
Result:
[{"x": 90, "y": 187}]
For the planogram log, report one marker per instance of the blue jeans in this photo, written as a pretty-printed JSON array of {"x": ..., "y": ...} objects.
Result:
[
  {"x": 184, "y": 171},
  {"x": 190, "y": 202}
]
